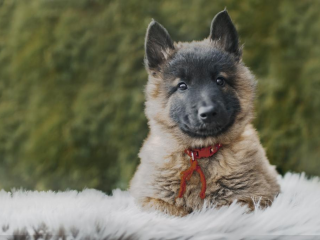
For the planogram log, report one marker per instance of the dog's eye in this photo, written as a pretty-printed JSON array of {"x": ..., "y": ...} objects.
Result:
[
  {"x": 220, "y": 81},
  {"x": 182, "y": 86}
]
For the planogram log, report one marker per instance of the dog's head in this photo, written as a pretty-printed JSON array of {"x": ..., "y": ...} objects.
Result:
[{"x": 198, "y": 90}]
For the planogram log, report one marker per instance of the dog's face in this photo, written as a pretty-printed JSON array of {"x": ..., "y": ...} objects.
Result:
[
  {"x": 203, "y": 103},
  {"x": 200, "y": 85}
]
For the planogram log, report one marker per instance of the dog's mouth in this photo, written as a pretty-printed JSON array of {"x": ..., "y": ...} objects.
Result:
[
  {"x": 202, "y": 131},
  {"x": 206, "y": 130}
]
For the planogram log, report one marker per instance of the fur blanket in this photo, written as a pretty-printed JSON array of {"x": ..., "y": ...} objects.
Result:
[{"x": 91, "y": 214}]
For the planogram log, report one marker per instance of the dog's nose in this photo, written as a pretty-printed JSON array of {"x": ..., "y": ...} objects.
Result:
[{"x": 207, "y": 114}]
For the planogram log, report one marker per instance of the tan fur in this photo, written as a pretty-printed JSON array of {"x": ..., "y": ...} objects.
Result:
[{"x": 239, "y": 171}]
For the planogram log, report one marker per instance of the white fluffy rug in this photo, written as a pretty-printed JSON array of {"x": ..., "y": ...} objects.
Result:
[{"x": 91, "y": 214}]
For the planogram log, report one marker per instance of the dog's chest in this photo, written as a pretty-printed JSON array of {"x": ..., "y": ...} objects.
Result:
[
  {"x": 221, "y": 189},
  {"x": 168, "y": 182}
]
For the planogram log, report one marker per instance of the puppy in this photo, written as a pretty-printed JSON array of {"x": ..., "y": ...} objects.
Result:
[{"x": 201, "y": 146}]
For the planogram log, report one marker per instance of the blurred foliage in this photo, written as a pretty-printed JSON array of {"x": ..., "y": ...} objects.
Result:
[{"x": 72, "y": 79}]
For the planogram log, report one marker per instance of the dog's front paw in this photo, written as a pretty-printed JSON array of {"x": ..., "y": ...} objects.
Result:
[{"x": 162, "y": 206}]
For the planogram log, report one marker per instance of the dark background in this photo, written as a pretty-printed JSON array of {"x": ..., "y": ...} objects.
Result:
[{"x": 72, "y": 80}]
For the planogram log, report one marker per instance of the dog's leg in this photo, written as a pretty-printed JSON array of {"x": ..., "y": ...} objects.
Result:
[{"x": 160, "y": 205}]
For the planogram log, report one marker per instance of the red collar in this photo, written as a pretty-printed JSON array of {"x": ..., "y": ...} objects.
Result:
[
  {"x": 205, "y": 152},
  {"x": 194, "y": 155}
]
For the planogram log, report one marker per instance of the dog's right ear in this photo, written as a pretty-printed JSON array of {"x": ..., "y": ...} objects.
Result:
[
  {"x": 158, "y": 45},
  {"x": 224, "y": 33}
]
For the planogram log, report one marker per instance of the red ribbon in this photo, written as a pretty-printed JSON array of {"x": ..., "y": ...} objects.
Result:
[{"x": 186, "y": 175}]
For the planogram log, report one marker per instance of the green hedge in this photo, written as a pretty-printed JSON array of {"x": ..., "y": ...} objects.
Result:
[{"x": 72, "y": 79}]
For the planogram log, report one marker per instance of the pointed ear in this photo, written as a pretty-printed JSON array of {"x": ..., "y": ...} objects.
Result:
[
  {"x": 158, "y": 45},
  {"x": 224, "y": 33}
]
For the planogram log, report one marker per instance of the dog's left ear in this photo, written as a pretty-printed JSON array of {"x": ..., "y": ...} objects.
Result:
[
  {"x": 224, "y": 33},
  {"x": 158, "y": 45}
]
